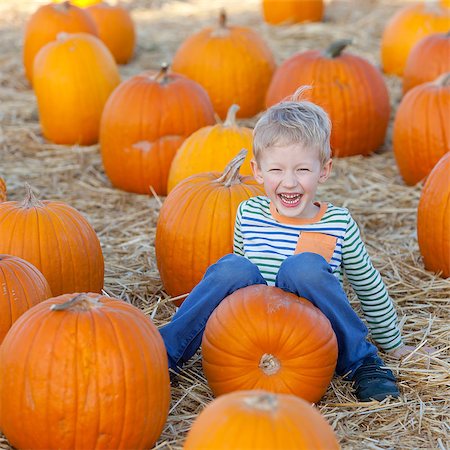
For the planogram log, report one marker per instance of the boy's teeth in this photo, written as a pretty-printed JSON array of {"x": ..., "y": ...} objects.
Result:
[{"x": 290, "y": 198}]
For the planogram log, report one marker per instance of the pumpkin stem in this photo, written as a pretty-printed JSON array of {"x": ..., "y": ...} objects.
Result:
[
  {"x": 262, "y": 402},
  {"x": 80, "y": 302},
  {"x": 230, "y": 120},
  {"x": 30, "y": 200},
  {"x": 230, "y": 174},
  {"x": 223, "y": 18},
  {"x": 63, "y": 6},
  {"x": 222, "y": 29},
  {"x": 335, "y": 49},
  {"x": 443, "y": 80},
  {"x": 269, "y": 364},
  {"x": 162, "y": 73}
]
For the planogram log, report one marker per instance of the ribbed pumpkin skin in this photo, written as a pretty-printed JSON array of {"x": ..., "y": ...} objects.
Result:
[
  {"x": 351, "y": 91},
  {"x": 2, "y": 190},
  {"x": 264, "y": 320},
  {"x": 409, "y": 25},
  {"x": 138, "y": 147},
  {"x": 428, "y": 59},
  {"x": 56, "y": 239},
  {"x": 421, "y": 132},
  {"x": 21, "y": 287},
  {"x": 195, "y": 228},
  {"x": 45, "y": 24},
  {"x": 258, "y": 420},
  {"x": 210, "y": 149},
  {"x": 116, "y": 29},
  {"x": 433, "y": 219},
  {"x": 85, "y": 378},
  {"x": 232, "y": 63},
  {"x": 292, "y": 11},
  {"x": 73, "y": 78}
]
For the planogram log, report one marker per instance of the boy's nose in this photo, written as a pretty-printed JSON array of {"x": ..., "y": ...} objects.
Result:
[{"x": 290, "y": 180}]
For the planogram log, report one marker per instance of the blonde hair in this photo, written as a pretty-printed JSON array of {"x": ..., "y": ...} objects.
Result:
[{"x": 291, "y": 121}]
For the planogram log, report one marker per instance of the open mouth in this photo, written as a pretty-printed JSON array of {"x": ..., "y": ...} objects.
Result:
[{"x": 290, "y": 199}]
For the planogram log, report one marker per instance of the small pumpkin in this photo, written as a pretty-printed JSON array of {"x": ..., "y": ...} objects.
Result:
[
  {"x": 288, "y": 346},
  {"x": 116, "y": 29},
  {"x": 46, "y": 23},
  {"x": 278, "y": 12},
  {"x": 145, "y": 121},
  {"x": 421, "y": 132},
  {"x": 433, "y": 219},
  {"x": 232, "y": 63},
  {"x": 210, "y": 149},
  {"x": 22, "y": 286},
  {"x": 406, "y": 27},
  {"x": 255, "y": 419},
  {"x": 350, "y": 89},
  {"x": 56, "y": 239},
  {"x": 83, "y": 371},
  {"x": 429, "y": 58},
  {"x": 196, "y": 224},
  {"x": 73, "y": 78},
  {"x": 2, "y": 190}
]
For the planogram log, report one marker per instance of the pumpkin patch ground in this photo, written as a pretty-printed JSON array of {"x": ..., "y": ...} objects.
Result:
[{"x": 125, "y": 223}]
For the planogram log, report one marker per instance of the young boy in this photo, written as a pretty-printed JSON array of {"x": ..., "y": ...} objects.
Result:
[{"x": 290, "y": 240}]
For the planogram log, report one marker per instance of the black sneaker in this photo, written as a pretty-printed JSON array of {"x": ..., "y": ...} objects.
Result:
[{"x": 374, "y": 382}]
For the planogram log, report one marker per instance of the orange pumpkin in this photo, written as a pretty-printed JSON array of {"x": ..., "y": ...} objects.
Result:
[
  {"x": 232, "y": 63},
  {"x": 196, "y": 224},
  {"x": 116, "y": 29},
  {"x": 433, "y": 219},
  {"x": 421, "y": 132},
  {"x": 73, "y": 78},
  {"x": 2, "y": 190},
  {"x": 287, "y": 347},
  {"x": 292, "y": 11},
  {"x": 83, "y": 372},
  {"x": 22, "y": 286},
  {"x": 428, "y": 59},
  {"x": 46, "y": 23},
  {"x": 410, "y": 24},
  {"x": 210, "y": 149},
  {"x": 145, "y": 121},
  {"x": 56, "y": 239},
  {"x": 256, "y": 420},
  {"x": 348, "y": 87}
]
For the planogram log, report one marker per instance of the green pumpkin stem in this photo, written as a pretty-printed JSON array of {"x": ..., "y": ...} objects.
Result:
[
  {"x": 230, "y": 174},
  {"x": 80, "y": 302},
  {"x": 30, "y": 200},
  {"x": 230, "y": 120},
  {"x": 336, "y": 48}
]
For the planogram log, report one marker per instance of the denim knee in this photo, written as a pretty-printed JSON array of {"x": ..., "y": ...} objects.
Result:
[{"x": 236, "y": 270}]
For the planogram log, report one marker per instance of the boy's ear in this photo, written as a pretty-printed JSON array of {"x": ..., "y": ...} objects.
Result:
[
  {"x": 326, "y": 171},
  {"x": 257, "y": 174}
]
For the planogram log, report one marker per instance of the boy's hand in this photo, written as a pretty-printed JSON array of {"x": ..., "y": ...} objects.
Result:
[{"x": 404, "y": 350}]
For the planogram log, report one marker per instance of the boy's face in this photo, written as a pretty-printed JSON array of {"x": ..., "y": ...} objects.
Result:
[{"x": 290, "y": 175}]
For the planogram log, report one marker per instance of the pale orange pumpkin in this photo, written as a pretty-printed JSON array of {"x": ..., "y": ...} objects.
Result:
[
  {"x": 261, "y": 337},
  {"x": 410, "y": 24},
  {"x": 145, "y": 121},
  {"x": 429, "y": 58},
  {"x": 116, "y": 29},
  {"x": 56, "y": 239},
  {"x": 2, "y": 190},
  {"x": 278, "y": 12},
  {"x": 421, "y": 132},
  {"x": 210, "y": 149},
  {"x": 256, "y": 419},
  {"x": 22, "y": 286},
  {"x": 83, "y": 371},
  {"x": 350, "y": 89},
  {"x": 433, "y": 219},
  {"x": 196, "y": 224},
  {"x": 46, "y": 23},
  {"x": 73, "y": 78},
  {"x": 232, "y": 63}
]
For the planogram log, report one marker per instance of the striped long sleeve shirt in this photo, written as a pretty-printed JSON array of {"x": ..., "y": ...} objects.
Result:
[{"x": 266, "y": 238}]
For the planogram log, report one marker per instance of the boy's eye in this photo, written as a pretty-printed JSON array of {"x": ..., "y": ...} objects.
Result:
[
  {"x": 303, "y": 169},
  {"x": 274, "y": 170}
]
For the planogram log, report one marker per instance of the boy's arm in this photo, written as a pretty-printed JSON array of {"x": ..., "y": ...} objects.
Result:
[
  {"x": 238, "y": 241},
  {"x": 366, "y": 281}
]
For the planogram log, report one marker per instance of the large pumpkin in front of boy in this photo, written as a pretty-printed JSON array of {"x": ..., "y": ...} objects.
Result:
[
  {"x": 196, "y": 224},
  {"x": 261, "y": 337},
  {"x": 350, "y": 89}
]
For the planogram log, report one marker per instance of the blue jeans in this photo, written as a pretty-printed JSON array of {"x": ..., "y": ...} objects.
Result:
[{"x": 306, "y": 275}]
